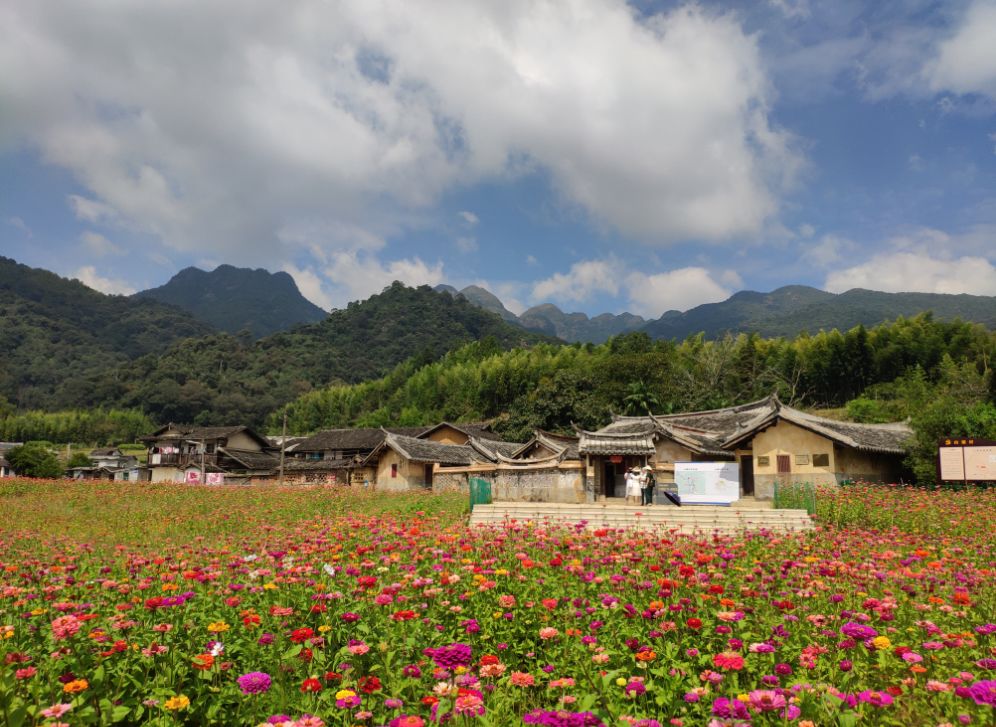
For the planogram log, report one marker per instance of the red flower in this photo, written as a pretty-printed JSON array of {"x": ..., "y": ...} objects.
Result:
[
  {"x": 202, "y": 662},
  {"x": 403, "y": 615},
  {"x": 306, "y": 655},
  {"x": 311, "y": 685},
  {"x": 332, "y": 676},
  {"x": 489, "y": 659},
  {"x": 694, "y": 623},
  {"x": 369, "y": 684},
  {"x": 429, "y": 700},
  {"x": 301, "y": 635}
]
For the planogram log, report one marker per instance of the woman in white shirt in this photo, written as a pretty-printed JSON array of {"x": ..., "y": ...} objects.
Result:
[{"x": 633, "y": 487}]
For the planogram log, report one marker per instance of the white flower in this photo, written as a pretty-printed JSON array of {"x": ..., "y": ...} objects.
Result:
[
  {"x": 329, "y": 569},
  {"x": 218, "y": 649}
]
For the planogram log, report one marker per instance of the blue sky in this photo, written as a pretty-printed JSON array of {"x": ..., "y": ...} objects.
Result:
[{"x": 599, "y": 155}]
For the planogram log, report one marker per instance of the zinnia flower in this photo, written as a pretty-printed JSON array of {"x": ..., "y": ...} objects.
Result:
[
  {"x": 176, "y": 703},
  {"x": 255, "y": 682}
]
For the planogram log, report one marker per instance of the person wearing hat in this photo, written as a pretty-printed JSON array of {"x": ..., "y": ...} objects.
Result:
[
  {"x": 647, "y": 483},
  {"x": 633, "y": 486}
]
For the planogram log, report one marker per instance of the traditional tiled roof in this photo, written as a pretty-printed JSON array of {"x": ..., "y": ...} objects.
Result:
[
  {"x": 492, "y": 449},
  {"x": 425, "y": 450},
  {"x": 882, "y": 438},
  {"x": 186, "y": 431},
  {"x": 105, "y": 452},
  {"x": 368, "y": 438},
  {"x": 719, "y": 421},
  {"x": 717, "y": 432},
  {"x": 562, "y": 447},
  {"x": 606, "y": 441},
  {"x": 251, "y": 459}
]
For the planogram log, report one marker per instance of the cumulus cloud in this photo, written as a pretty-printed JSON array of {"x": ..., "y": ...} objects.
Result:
[
  {"x": 583, "y": 281},
  {"x": 310, "y": 285},
  {"x": 20, "y": 225},
  {"x": 219, "y": 127},
  {"x": 98, "y": 245},
  {"x": 89, "y": 276},
  {"x": 965, "y": 62},
  {"x": 919, "y": 270},
  {"x": 351, "y": 275},
  {"x": 828, "y": 250},
  {"x": 652, "y": 295}
]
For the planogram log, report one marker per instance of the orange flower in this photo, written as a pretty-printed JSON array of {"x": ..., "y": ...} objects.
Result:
[
  {"x": 202, "y": 662},
  {"x": 646, "y": 655},
  {"x": 76, "y": 686}
]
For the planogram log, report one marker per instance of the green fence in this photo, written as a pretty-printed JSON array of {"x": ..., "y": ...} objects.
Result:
[
  {"x": 795, "y": 496},
  {"x": 480, "y": 492}
]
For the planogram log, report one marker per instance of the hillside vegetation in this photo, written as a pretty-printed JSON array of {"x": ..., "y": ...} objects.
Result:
[
  {"x": 235, "y": 299},
  {"x": 936, "y": 373},
  {"x": 61, "y": 340}
]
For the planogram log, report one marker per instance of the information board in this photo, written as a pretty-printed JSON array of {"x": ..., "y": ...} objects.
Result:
[
  {"x": 707, "y": 483},
  {"x": 966, "y": 459}
]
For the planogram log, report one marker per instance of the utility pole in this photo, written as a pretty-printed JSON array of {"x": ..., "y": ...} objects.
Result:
[{"x": 283, "y": 446}]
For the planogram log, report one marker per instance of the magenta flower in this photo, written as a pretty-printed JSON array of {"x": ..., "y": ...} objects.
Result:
[{"x": 255, "y": 682}]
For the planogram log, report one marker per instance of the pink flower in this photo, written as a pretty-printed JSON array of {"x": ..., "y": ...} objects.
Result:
[
  {"x": 65, "y": 626},
  {"x": 729, "y": 660},
  {"x": 522, "y": 679},
  {"x": 548, "y": 633},
  {"x": 55, "y": 711}
]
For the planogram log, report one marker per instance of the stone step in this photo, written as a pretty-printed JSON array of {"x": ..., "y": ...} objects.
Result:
[{"x": 686, "y": 519}]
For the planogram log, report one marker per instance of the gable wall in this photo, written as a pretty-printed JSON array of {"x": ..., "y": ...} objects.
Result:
[
  {"x": 448, "y": 435},
  {"x": 242, "y": 440},
  {"x": 411, "y": 475}
]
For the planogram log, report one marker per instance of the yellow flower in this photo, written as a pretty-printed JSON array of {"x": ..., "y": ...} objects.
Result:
[
  {"x": 345, "y": 694},
  {"x": 176, "y": 703},
  {"x": 38, "y": 611},
  {"x": 76, "y": 686},
  {"x": 620, "y": 682},
  {"x": 501, "y": 572},
  {"x": 218, "y": 627},
  {"x": 743, "y": 698},
  {"x": 881, "y": 642},
  {"x": 324, "y": 629},
  {"x": 270, "y": 587}
]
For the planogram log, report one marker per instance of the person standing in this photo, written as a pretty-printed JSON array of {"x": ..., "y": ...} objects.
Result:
[
  {"x": 647, "y": 483},
  {"x": 633, "y": 486}
]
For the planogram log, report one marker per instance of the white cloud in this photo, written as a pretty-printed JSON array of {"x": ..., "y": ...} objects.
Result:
[
  {"x": 828, "y": 250},
  {"x": 310, "y": 285},
  {"x": 965, "y": 62},
  {"x": 361, "y": 115},
  {"x": 112, "y": 286},
  {"x": 583, "y": 281},
  {"x": 98, "y": 245},
  {"x": 20, "y": 225},
  {"x": 353, "y": 276},
  {"x": 469, "y": 218},
  {"x": 920, "y": 270},
  {"x": 652, "y": 295}
]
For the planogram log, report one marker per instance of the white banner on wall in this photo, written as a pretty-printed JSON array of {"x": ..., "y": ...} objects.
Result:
[{"x": 707, "y": 483}]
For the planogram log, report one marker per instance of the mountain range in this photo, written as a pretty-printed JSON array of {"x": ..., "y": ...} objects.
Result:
[
  {"x": 784, "y": 312},
  {"x": 235, "y": 299}
]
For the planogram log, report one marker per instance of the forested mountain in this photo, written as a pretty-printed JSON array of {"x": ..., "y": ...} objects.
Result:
[
  {"x": 59, "y": 339},
  {"x": 223, "y": 378},
  {"x": 234, "y": 299},
  {"x": 785, "y": 312},
  {"x": 549, "y": 319},
  {"x": 794, "y": 309}
]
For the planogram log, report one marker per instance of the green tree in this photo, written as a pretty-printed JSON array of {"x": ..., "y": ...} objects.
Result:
[
  {"x": 34, "y": 459},
  {"x": 79, "y": 459}
]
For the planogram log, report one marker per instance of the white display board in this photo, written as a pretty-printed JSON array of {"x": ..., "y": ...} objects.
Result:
[{"x": 707, "y": 483}]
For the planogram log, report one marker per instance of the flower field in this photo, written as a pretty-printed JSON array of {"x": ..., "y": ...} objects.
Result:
[{"x": 308, "y": 606}]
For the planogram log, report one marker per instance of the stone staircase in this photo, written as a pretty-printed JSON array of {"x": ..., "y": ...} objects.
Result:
[{"x": 740, "y": 516}]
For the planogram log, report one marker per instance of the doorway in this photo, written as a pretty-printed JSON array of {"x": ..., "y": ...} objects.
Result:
[{"x": 747, "y": 475}]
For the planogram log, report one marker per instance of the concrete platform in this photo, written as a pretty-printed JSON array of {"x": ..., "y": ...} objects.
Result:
[{"x": 742, "y": 515}]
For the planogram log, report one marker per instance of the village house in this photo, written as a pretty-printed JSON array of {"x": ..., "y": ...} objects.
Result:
[
  {"x": 209, "y": 455},
  {"x": 338, "y": 456},
  {"x": 770, "y": 442},
  {"x": 108, "y": 463}
]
